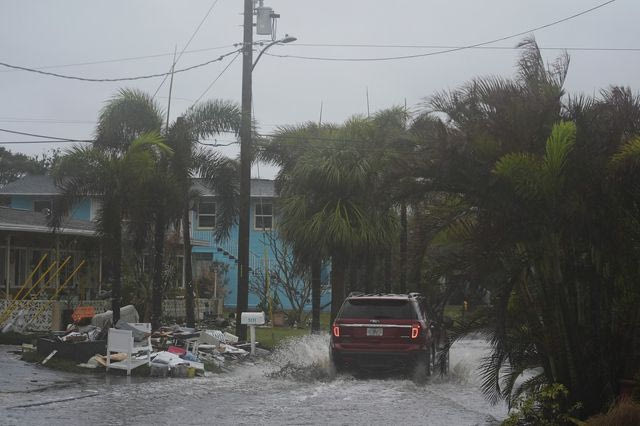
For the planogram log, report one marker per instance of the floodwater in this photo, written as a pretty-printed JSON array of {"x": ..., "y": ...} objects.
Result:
[{"x": 292, "y": 386}]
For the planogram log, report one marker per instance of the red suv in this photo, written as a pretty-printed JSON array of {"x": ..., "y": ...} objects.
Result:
[{"x": 388, "y": 331}]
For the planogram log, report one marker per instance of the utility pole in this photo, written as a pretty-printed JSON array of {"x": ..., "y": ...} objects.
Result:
[{"x": 242, "y": 301}]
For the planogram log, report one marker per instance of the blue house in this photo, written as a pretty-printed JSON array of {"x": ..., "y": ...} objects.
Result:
[{"x": 28, "y": 200}]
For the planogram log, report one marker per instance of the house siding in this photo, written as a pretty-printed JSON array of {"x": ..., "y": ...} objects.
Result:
[{"x": 81, "y": 211}]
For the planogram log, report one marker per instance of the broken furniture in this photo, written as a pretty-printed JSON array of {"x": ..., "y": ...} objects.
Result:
[
  {"x": 123, "y": 341},
  {"x": 77, "y": 351}
]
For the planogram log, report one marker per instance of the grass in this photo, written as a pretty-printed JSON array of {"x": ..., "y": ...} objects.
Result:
[
  {"x": 453, "y": 311},
  {"x": 270, "y": 337}
]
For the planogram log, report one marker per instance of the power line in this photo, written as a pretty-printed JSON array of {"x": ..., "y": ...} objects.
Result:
[
  {"x": 354, "y": 45},
  {"x": 35, "y": 135},
  {"x": 103, "y": 80},
  {"x": 126, "y": 59},
  {"x": 185, "y": 47},
  {"x": 40, "y": 142},
  {"x": 215, "y": 80},
  {"x": 421, "y": 55},
  {"x": 440, "y": 46},
  {"x": 42, "y": 121}
]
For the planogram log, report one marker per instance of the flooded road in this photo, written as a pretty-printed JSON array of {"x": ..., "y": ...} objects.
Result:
[{"x": 291, "y": 387}]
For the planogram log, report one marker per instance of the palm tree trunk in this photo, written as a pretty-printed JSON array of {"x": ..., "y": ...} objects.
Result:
[
  {"x": 316, "y": 271},
  {"x": 338, "y": 269},
  {"x": 188, "y": 271},
  {"x": 403, "y": 248},
  {"x": 387, "y": 271},
  {"x": 368, "y": 274},
  {"x": 116, "y": 271},
  {"x": 159, "y": 234}
]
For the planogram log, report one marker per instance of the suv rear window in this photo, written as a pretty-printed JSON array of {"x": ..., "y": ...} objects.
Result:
[{"x": 378, "y": 309}]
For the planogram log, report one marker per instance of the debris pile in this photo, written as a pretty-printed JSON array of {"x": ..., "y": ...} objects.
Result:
[{"x": 175, "y": 350}]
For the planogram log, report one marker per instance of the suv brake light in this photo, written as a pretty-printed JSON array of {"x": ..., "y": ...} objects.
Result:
[
  {"x": 336, "y": 330},
  {"x": 415, "y": 331}
]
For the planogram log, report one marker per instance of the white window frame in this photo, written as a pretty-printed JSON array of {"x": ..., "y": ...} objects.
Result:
[
  {"x": 263, "y": 216},
  {"x": 215, "y": 208}
]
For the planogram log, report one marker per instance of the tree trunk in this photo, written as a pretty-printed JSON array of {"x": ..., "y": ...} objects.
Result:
[
  {"x": 159, "y": 234},
  {"x": 403, "y": 248},
  {"x": 368, "y": 274},
  {"x": 387, "y": 272},
  {"x": 316, "y": 271},
  {"x": 338, "y": 267},
  {"x": 353, "y": 275},
  {"x": 188, "y": 271},
  {"x": 115, "y": 271}
]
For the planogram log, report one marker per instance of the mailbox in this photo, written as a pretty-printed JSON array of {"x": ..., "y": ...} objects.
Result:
[{"x": 252, "y": 318}]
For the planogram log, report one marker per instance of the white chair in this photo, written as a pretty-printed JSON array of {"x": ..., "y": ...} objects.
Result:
[{"x": 121, "y": 341}]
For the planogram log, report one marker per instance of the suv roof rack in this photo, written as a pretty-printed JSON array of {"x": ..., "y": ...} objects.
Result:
[{"x": 412, "y": 295}]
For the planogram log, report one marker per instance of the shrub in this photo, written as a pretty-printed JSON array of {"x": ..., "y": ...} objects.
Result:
[{"x": 549, "y": 406}]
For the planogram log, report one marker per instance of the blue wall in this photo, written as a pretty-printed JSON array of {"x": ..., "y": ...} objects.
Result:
[
  {"x": 258, "y": 242},
  {"x": 81, "y": 211}
]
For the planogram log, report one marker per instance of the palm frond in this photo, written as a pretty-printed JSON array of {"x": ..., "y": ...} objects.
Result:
[
  {"x": 213, "y": 117},
  {"x": 125, "y": 117}
]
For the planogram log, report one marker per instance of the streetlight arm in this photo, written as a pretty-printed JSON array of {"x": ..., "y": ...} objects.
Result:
[{"x": 284, "y": 40}]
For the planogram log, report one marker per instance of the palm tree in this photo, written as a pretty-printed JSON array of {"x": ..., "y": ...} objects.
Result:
[
  {"x": 169, "y": 198},
  {"x": 284, "y": 150},
  {"x": 547, "y": 219},
  {"x": 216, "y": 171},
  {"x": 114, "y": 177},
  {"x": 327, "y": 203}
]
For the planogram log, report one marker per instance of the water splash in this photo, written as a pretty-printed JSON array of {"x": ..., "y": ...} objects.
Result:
[{"x": 302, "y": 359}]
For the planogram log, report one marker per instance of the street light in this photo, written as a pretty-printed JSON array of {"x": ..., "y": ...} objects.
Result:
[{"x": 286, "y": 39}]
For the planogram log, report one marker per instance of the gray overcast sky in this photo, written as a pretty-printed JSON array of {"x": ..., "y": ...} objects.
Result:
[{"x": 286, "y": 90}]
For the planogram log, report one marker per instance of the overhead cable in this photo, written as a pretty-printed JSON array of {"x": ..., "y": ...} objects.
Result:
[
  {"x": 456, "y": 49},
  {"x": 175, "y": 61},
  {"x": 15, "y": 132},
  {"x": 440, "y": 46},
  {"x": 215, "y": 80},
  {"x": 125, "y": 59},
  {"x": 108, "y": 80}
]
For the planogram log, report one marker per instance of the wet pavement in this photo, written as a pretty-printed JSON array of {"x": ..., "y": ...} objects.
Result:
[{"x": 290, "y": 387}]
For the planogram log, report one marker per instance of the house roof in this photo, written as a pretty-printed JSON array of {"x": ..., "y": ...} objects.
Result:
[
  {"x": 260, "y": 188},
  {"x": 31, "y": 185},
  {"x": 44, "y": 185},
  {"x": 30, "y": 221}
]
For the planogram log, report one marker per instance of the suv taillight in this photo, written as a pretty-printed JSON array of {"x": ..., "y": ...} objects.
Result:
[
  {"x": 415, "y": 331},
  {"x": 336, "y": 330}
]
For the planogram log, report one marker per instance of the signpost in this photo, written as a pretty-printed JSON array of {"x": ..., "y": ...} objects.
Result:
[{"x": 252, "y": 319}]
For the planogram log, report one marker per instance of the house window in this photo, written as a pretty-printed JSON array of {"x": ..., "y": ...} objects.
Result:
[
  {"x": 39, "y": 206},
  {"x": 206, "y": 214},
  {"x": 263, "y": 216}
]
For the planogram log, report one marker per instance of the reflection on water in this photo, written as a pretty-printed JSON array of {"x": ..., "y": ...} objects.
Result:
[{"x": 292, "y": 386}]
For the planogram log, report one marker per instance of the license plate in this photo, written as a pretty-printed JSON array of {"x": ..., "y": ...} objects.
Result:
[{"x": 377, "y": 331}]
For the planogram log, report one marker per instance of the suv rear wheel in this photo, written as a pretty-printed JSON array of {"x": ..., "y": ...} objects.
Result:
[{"x": 422, "y": 368}]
